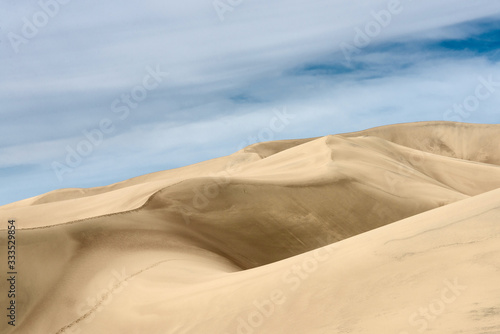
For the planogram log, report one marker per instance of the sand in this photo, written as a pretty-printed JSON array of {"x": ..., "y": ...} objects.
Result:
[{"x": 389, "y": 230}]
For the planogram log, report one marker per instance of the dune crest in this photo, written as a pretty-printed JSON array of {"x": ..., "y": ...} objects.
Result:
[{"x": 344, "y": 233}]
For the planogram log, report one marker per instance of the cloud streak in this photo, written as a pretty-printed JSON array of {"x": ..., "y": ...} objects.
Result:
[{"x": 264, "y": 55}]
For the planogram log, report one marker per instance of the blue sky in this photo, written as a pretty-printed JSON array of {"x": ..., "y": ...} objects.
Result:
[{"x": 68, "y": 68}]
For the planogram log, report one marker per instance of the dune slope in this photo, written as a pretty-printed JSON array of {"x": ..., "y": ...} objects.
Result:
[{"x": 287, "y": 236}]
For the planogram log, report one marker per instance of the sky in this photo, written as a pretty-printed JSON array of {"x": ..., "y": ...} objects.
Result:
[{"x": 96, "y": 92}]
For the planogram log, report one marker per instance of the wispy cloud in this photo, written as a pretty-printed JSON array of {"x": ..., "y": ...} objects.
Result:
[{"x": 225, "y": 78}]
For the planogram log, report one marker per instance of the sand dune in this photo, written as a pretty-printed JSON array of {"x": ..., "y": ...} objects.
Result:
[{"x": 349, "y": 233}]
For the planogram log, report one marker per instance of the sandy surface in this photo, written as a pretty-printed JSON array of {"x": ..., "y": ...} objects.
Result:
[{"x": 390, "y": 230}]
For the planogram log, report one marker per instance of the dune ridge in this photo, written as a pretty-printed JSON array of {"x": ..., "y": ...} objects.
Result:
[{"x": 220, "y": 232}]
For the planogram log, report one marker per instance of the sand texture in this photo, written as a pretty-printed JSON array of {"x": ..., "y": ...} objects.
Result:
[{"x": 394, "y": 229}]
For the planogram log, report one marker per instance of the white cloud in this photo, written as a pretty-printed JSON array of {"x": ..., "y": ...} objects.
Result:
[{"x": 64, "y": 79}]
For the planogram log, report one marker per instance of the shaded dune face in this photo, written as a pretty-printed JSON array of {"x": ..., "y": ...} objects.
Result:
[
  {"x": 264, "y": 204},
  {"x": 346, "y": 187}
]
